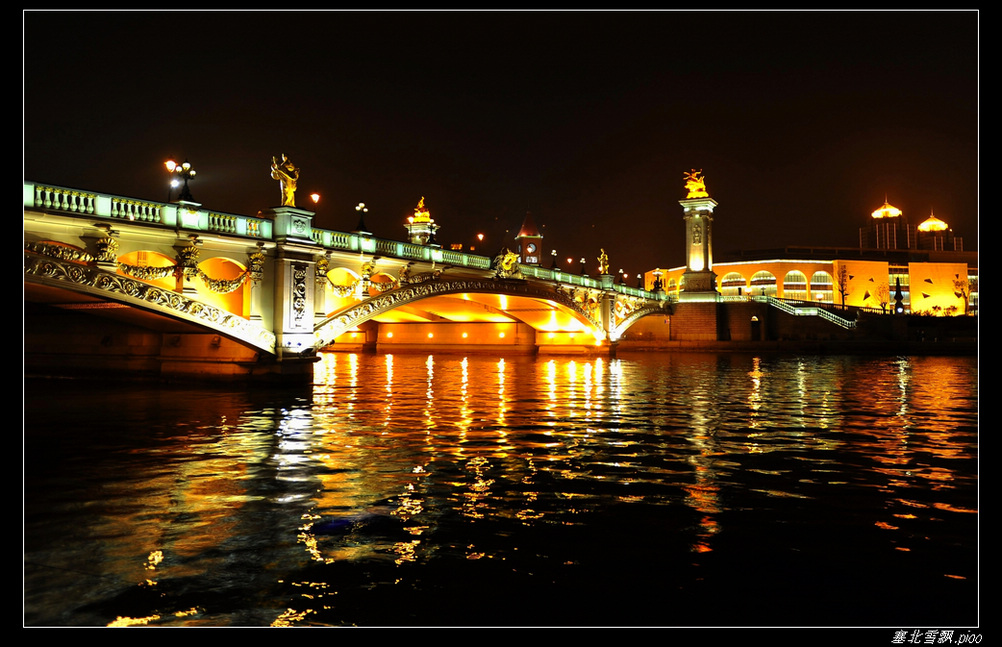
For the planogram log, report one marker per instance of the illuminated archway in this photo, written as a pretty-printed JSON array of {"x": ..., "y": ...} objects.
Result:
[
  {"x": 150, "y": 267},
  {"x": 733, "y": 284},
  {"x": 795, "y": 286},
  {"x": 763, "y": 284},
  {"x": 466, "y": 300},
  {"x": 822, "y": 289},
  {"x": 223, "y": 284}
]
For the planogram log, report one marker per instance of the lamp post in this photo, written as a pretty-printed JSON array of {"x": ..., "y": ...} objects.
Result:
[
  {"x": 361, "y": 210},
  {"x": 180, "y": 172},
  {"x": 316, "y": 200},
  {"x": 554, "y": 254},
  {"x": 583, "y": 263}
]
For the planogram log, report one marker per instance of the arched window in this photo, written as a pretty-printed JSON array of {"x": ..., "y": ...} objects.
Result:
[
  {"x": 795, "y": 286},
  {"x": 821, "y": 287},
  {"x": 763, "y": 284},
  {"x": 733, "y": 284}
]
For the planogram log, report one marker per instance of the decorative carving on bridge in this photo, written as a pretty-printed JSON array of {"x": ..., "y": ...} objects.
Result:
[
  {"x": 625, "y": 306},
  {"x": 287, "y": 175},
  {"x": 187, "y": 260},
  {"x": 695, "y": 184},
  {"x": 299, "y": 272},
  {"x": 137, "y": 293},
  {"x": 255, "y": 265},
  {"x": 107, "y": 249},
  {"x": 59, "y": 251},
  {"x": 146, "y": 272},
  {"x": 648, "y": 308},
  {"x": 322, "y": 267},
  {"x": 505, "y": 265}
]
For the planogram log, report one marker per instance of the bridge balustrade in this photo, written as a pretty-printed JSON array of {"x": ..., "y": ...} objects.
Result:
[{"x": 190, "y": 217}]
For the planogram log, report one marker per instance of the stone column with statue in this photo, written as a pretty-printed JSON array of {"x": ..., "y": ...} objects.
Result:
[{"x": 699, "y": 280}]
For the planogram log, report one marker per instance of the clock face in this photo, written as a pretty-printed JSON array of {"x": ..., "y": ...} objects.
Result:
[{"x": 531, "y": 248}]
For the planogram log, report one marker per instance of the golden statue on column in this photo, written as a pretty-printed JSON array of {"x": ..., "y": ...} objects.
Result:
[
  {"x": 695, "y": 184},
  {"x": 603, "y": 262},
  {"x": 287, "y": 175}
]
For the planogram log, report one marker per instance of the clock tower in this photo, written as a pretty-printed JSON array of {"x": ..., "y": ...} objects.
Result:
[{"x": 529, "y": 241}]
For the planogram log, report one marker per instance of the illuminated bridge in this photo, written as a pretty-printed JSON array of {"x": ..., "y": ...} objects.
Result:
[{"x": 173, "y": 289}]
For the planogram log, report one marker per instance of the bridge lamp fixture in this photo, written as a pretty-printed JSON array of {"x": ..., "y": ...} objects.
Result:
[
  {"x": 316, "y": 200},
  {"x": 180, "y": 173}
]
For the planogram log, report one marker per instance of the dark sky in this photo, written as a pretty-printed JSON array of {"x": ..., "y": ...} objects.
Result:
[{"x": 801, "y": 121}]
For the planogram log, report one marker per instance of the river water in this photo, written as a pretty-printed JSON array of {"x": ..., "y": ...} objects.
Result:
[{"x": 656, "y": 489}]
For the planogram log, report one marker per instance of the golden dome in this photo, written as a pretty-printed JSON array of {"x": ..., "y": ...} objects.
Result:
[
  {"x": 886, "y": 211},
  {"x": 932, "y": 223}
]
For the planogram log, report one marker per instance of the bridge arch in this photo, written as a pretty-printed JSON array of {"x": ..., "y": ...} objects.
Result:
[
  {"x": 149, "y": 266},
  {"x": 60, "y": 268},
  {"x": 223, "y": 282},
  {"x": 547, "y": 300}
]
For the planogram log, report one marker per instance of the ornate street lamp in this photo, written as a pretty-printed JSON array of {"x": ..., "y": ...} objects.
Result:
[
  {"x": 180, "y": 173},
  {"x": 360, "y": 228},
  {"x": 583, "y": 269}
]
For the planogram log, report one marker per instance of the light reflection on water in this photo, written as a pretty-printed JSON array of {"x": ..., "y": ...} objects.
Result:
[{"x": 410, "y": 489}]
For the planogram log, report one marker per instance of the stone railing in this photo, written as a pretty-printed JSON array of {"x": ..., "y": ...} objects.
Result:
[
  {"x": 191, "y": 217},
  {"x": 180, "y": 215},
  {"x": 799, "y": 309}
]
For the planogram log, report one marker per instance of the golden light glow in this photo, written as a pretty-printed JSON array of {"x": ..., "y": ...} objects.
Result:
[
  {"x": 421, "y": 214},
  {"x": 886, "y": 211},
  {"x": 932, "y": 223},
  {"x": 695, "y": 184}
]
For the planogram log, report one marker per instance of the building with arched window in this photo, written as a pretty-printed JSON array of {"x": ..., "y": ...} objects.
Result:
[{"x": 926, "y": 265}]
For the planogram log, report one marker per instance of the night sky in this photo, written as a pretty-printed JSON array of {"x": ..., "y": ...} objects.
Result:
[{"x": 801, "y": 122}]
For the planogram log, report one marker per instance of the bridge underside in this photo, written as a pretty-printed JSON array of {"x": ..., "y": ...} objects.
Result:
[
  {"x": 74, "y": 333},
  {"x": 467, "y": 321}
]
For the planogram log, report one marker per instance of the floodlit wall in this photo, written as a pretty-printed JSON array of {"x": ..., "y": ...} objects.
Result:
[{"x": 938, "y": 288}]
